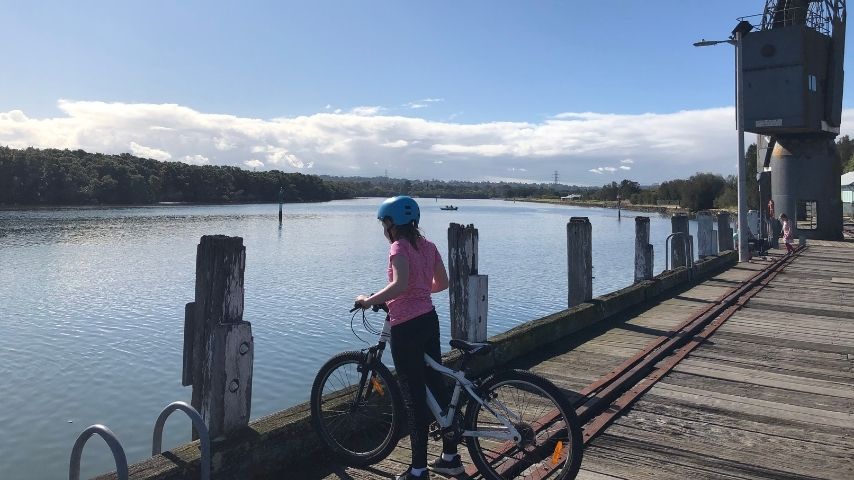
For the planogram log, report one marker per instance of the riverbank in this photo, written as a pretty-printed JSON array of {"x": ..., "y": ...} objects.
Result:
[{"x": 665, "y": 210}]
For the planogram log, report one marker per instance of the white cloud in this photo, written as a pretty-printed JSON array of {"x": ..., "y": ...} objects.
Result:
[
  {"x": 254, "y": 163},
  {"x": 366, "y": 111},
  {"x": 195, "y": 159},
  {"x": 580, "y": 146},
  {"x": 423, "y": 103},
  {"x": 148, "y": 152},
  {"x": 625, "y": 167}
]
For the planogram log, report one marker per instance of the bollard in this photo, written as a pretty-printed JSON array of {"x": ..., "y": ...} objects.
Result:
[
  {"x": 724, "y": 232},
  {"x": 579, "y": 260},
  {"x": 678, "y": 253},
  {"x": 643, "y": 250},
  {"x": 467, "y": 290},
  {"x": 218, "y": 344},
  {"x": 705, "y": 234}
]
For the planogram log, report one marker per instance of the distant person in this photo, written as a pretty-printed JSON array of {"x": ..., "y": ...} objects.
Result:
[
  {"x": 415, "y": 270},
  {"x": 787, "y": 232}
]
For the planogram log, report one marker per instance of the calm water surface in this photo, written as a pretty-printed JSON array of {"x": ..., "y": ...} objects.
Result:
[{"x": 92, "y": 302}]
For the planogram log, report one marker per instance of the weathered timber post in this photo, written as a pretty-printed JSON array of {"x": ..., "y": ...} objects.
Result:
[
  {"x": 467, "y": 290},
  {"x": 678, "y": 253},
  {"x": 281, "y": 198},
  {"x": 705, "y": 234},
  {"x": 579, "y": 247},
  {"x": 643, "y": 250},
  {"x": 218, "y": 345},
  {"x": 724, "y": 232}
]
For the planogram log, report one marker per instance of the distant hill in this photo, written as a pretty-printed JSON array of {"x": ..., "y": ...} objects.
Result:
[{"x": 75, "y": 177}]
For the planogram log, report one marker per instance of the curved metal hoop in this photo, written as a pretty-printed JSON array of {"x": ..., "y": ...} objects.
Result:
[
  {"x": 198, "y": 423},
  {"x": 112, "y": 442}
]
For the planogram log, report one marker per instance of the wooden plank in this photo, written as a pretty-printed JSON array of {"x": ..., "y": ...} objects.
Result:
[
  {"x": 736, "y": 404},
  {"x": 766, "y": 379},
  {"x": 784, "y": 343},
  {"x": 768, "y": 452},
  {"x": 830, "y": 435},
  {"x": 633, "y": 459}
]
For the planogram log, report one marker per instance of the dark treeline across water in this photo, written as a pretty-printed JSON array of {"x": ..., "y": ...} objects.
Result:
[{"x": 33, "y": 177}]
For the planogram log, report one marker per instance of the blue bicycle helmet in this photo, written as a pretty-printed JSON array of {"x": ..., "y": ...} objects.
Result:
[{"x": 402, "y": 210}]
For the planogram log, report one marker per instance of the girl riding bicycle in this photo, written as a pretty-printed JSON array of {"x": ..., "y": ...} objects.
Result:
[{"x": 415, "y": 270}]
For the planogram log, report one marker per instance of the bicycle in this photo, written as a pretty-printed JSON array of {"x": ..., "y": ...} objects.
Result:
[{"x": 357, "y": 410}]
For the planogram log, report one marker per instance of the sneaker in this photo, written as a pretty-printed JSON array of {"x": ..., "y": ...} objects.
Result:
[
  {"x": 407, "y": 475},
  {"x": 447, "y": 467}
]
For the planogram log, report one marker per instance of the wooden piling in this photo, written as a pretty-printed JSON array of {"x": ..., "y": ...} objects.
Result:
[
  {"x": 467, "y": 290},
  {"x": 706, "y": 244},
  {"x": 281, "y": 199},
  {"x": 643, "y": 250},
  {"x": 218, "y": 358},
  {"x": 579, "y": 247},
  {"x": 724, "y": 232},
  {"x": 678, "y": 254}
]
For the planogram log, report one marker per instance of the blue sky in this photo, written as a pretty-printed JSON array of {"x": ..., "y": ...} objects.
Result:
[{"x": 492, "y": 90}]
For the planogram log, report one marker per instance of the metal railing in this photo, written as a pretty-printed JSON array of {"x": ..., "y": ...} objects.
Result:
[
  {"x": 156, "y": 443},
  {"x": 198, "y": 423},
  {"x": 112, "y": 442}
]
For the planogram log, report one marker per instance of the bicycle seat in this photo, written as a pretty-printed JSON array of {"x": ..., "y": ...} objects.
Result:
[{"x": 472, "y": 348}]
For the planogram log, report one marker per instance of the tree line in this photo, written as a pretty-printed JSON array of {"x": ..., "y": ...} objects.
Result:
[
  {"x": 388, "y": 187},
  {"x": 701, "y": 191},
  {"x": 75, "y": 177}
]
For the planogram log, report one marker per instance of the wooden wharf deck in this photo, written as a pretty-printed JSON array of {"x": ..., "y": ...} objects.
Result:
[{"x": 769, "y": 395}]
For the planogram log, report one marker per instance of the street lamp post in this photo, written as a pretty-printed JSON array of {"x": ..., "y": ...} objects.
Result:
[{"x": 741, "y": 29}]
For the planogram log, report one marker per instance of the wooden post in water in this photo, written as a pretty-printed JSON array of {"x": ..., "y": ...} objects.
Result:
[
  {"x": 467, "y": 290},
  {"x": 281, "y": 198},
  {"x": 218, "y": 346},
  {"x": 678, "y": 255},
  {"x": 579, "y": 247},
  {"x": 706, "y": 234},
  {"x": 724, "y": 232},
  {"x": 643, "y": 250}
]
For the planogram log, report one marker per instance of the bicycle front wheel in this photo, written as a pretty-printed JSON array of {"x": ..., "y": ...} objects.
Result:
[
  {"x": 550, "y": 440},
  {"x": 356, "y": 409}
]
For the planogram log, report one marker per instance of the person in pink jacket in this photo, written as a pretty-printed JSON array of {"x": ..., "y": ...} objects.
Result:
[{"x": 787, "y": 232}]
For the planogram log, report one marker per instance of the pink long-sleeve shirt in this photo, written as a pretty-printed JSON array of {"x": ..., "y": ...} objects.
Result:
[{"x": 415, "y": 300}]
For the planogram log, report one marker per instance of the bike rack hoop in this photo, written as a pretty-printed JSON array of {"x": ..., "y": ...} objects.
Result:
[
  {"x": 198, "y": 423},
  {"x": 112, "y": 442}
]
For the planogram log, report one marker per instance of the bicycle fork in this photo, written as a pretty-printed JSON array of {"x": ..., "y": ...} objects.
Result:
[{"x": 368, "y": 386}]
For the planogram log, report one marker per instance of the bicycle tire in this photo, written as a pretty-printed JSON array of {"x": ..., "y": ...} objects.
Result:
[
  {"x": 358, "y": 435},
  {"x": 545, "y": 418}
]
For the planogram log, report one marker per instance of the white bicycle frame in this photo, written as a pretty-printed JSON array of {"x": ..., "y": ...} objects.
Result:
[{"x": 506, "y": 432}]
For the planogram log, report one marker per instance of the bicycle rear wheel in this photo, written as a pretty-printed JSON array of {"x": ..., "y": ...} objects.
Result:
[
  {"x": 356, "y": 409},
  {"x": 550, "y": 445}
]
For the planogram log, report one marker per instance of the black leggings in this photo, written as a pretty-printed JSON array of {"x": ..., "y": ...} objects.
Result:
[{"x": 409, "y": 342}]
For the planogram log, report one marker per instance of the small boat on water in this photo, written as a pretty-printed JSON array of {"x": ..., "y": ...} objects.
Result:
[{"x": 448, "y": 207}]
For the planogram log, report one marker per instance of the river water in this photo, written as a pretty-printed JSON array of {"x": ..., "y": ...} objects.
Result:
[{"x": 92, "y": 304}]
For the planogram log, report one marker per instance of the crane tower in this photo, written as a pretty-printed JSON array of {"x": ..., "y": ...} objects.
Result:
[{"x": 792, "y": 80}]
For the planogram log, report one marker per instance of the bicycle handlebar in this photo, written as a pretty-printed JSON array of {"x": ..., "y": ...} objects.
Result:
[{"x": 376, "y": 308}]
